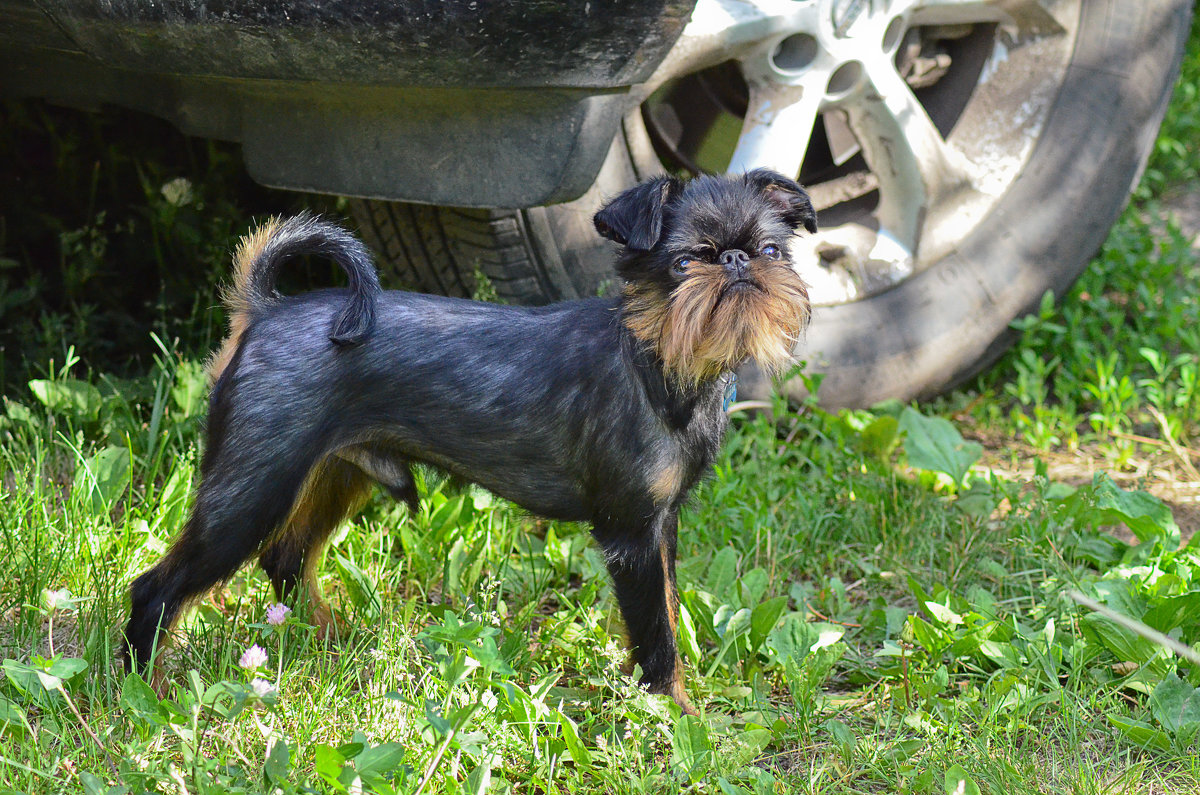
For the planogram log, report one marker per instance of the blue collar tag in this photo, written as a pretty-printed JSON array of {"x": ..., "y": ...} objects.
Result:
[{"x": 730, "y": 392}]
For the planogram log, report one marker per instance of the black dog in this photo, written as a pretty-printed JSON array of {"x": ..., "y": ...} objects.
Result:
[{"x": 602, "y": 410}]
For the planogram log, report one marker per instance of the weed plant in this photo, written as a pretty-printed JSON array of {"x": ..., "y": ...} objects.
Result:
[{"x": 113, "y": 225}]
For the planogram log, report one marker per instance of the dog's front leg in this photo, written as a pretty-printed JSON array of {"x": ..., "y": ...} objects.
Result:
[{"x": 641, "y": 560}]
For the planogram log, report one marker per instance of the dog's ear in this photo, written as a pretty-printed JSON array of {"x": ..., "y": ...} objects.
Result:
[
  {"x": 634, "y": 218},
  {"x": 787, "y": 195}
]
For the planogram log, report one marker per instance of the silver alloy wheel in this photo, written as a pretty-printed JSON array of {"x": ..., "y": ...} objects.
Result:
[{"x": 837, "y": 63}]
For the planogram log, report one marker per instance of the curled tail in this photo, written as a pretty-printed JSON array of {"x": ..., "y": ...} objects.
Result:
[{"x": 263, "y": 252}]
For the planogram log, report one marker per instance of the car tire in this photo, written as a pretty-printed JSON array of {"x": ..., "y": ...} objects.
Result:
[{"x": 930, "y": 331}]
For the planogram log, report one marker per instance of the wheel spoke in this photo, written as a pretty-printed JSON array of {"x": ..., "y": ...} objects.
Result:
[
  {"x": 721, "y": 30},
  {"x": 1027, "y": 16},
  {"x": 842, "y": 143},
  {"x": 779, "y": 122},
  {"x": 914, "y": 165}
]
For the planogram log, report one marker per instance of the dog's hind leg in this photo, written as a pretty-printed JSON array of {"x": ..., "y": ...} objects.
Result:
[
  {"x": 334, "y": 490},
  {"x": 247, "y": 491}
]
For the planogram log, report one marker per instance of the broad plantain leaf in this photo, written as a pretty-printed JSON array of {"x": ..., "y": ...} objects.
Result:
[{"x": 933, "y": 443}]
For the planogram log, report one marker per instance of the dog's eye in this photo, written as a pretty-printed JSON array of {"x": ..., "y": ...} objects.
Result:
[
  {"x": 769, "y": 250},
  {"x": 681, "y": 265}
]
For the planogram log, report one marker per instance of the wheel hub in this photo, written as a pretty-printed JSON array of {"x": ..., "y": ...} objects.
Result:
[{"x": 836, "y": 61}]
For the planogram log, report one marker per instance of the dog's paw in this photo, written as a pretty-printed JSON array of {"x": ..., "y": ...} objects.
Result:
[{"x": 329, "y": 629}]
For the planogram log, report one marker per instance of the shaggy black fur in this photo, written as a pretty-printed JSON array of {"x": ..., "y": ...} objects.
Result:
[{"x": 561, "y": 409}]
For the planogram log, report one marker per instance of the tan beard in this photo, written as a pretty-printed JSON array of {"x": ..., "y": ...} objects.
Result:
[{"x": 706, "y": 326}]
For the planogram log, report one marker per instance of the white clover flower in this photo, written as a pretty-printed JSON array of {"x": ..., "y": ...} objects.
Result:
[
  {"x": 58, "y": 600},
  {"x": 178, "y": 191},
  {"x": 261, "y": 687},
  {"x": 254, "y": 657}
]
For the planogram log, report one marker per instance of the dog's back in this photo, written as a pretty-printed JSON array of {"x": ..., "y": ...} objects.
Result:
[{"x": 449, "y": 382}]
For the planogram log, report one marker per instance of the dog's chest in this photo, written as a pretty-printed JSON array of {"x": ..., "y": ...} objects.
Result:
[{"x": 685, "y": 451}]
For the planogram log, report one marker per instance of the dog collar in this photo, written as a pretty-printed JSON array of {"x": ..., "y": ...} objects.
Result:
[{"x": 730, "y": 392}]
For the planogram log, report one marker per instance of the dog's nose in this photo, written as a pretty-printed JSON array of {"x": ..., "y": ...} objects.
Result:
[{"x": 735, "y": 261}]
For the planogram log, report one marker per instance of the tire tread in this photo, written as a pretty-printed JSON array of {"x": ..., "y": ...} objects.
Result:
[{"x": 439, "y": 249}]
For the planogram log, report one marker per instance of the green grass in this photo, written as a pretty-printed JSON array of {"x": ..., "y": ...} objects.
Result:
[
  {"x": 863, "y": 614},
  {"x": 867, "y": 606}
]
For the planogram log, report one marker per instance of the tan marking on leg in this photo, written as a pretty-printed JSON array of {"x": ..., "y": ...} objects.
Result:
[
  {"x": 675, "y": 688},
  {"x": 158, "y": 678},
  {"x": 676, "y": 691},
  {"x": 669, "y": 594},
  {"x": 333, "y": 490},
  {"x": 319, "y": 610},
  {"x": 679, "y": 694},
  {"x": 665, "y": 485},
  {"x": 158, "y": 682}
]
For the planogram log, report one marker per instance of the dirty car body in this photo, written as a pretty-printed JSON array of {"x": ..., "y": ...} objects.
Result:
[{"x": 363, "y": 97}]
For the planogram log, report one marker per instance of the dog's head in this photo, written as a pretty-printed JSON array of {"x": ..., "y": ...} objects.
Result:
[{"x": 707, "y": 269}]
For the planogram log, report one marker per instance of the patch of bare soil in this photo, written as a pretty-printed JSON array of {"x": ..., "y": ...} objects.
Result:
[
  {"x": 1169, "y": 471},
  {"x": 1156, "y": 469},
  {"x": 1183, "y": 206}
]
